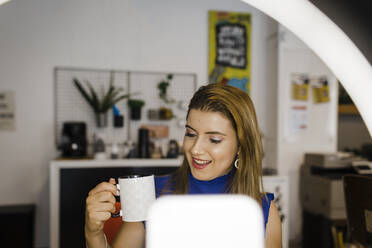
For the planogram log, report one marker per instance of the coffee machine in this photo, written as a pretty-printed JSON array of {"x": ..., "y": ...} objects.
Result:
[
  {"x": 74, "y": 140},
  {"x": 143, "y": 143}
]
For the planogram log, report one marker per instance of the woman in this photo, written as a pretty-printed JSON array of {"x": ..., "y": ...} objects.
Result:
[{"x": 223, "y": 154}]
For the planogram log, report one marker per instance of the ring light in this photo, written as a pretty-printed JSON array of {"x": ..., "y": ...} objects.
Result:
[
  {"x": 330, "y": 43},
  {"x": 3, "y": 1}
]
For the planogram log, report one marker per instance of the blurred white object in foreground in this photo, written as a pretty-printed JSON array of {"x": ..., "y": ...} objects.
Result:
[{"x": 201, "y": 221}]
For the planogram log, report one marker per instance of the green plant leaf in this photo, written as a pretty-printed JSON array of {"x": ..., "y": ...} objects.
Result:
[
  {"x": 108, "y": 99},
  {"x": 95, "y": 100},
  {"x": 82, "y": 91},
  {"x": 120, "y": 98},
  {"x": 114, "y": 98},
  {"x": 135, "y": 103},
  {"x": 116, "y": 93}
]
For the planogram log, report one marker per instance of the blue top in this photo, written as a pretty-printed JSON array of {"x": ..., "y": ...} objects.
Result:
[{"x": 215, "y": 186}]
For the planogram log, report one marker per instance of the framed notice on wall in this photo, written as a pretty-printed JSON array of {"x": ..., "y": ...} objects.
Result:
[
  {"x": 7, "y": 111},
  {"x": 229, "y": 49}
]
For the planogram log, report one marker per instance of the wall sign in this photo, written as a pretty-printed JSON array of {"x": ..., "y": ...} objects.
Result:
[
  {"x": 7, "y": 111},
  {"x": 231, "y": 45},
  {"x": 229, "y": 48},
  {"x": 300, "y": 87}
]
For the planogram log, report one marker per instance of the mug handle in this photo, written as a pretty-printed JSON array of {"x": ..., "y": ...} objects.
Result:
[{"x": 118, "y": 214}]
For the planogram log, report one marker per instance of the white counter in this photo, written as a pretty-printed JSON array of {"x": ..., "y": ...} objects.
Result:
[{"x": 92, "y": 163}]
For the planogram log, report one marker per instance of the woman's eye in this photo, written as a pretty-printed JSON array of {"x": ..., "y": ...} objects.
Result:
[
  {"x": 190, "y": 134},
  {"x": 215, "y": 141}
]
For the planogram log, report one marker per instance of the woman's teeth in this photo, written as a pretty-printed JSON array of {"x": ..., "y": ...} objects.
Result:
[{"x": 201, "y": 162}]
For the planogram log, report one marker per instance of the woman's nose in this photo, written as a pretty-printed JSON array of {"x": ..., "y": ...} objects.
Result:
[{"x": 197, "y": 148}]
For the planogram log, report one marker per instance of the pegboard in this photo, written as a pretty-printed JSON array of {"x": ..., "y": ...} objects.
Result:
[{"x": 71, "y": 106}]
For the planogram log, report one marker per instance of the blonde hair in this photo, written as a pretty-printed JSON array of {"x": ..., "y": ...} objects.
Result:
[{"x": 237, "y": 106}]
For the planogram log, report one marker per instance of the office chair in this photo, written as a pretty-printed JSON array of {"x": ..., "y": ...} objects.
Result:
[{"x": 358, "y": 202}]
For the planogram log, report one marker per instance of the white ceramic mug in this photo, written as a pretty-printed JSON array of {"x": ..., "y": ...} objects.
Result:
[{"x": 137, "y": 193}]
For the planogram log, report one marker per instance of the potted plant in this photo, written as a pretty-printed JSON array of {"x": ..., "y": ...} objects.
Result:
[
  {"x": 164, "y": 112},
  {"x": 135, "y": 106},
  {"x": 163, "y": 87},
  {"x": 101, "y": 105}
]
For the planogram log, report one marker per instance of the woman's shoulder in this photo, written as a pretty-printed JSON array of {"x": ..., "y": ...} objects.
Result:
[
  {"x": 161, "y": 183},
  {"x": 267, "y": 198},
  {"x": 266, "y": 202},
  {"x": 161, "y": 180}
]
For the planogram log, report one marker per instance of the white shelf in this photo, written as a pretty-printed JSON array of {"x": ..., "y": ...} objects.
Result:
[{"x": 95, "y": 163}]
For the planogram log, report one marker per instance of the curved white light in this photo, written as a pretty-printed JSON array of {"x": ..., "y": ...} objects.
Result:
[
  {"x": 3, "y": 1},
  {"x": 330, "y": 43}
]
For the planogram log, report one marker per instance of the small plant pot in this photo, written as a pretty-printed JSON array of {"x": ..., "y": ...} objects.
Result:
[
  {"x": 135, "y": 113},
  {"x": 165, "y": 114},
  {"x": 101, "y": 119}
]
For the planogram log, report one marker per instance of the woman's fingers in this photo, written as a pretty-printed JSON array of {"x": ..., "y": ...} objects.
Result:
[
  {"x": 97, "y": 214},
  {"x": 104, "y": 196},
  {"x": 105, "y": 186},
  {"x": 100, "y": 203},
  {"x": 97, "y": 217},
  {"x": 102, "y": 207}
]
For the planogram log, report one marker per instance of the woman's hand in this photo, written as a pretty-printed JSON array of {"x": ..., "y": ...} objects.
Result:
[{"x": 100, "y": 203}]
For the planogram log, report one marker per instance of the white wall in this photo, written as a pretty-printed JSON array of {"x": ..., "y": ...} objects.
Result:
[
  {"x": 321, "y": 134},
  {"x": 38, "y": 35}
]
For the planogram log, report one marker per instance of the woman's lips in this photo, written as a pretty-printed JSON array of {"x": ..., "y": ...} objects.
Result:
[{"x": 199, "y": 163}]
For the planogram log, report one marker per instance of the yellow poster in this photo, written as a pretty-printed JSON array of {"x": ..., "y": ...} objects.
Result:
[
  {"x": 321, "y": 93},
  {"x": 230, "y": 49},
  {"x": 300, "y": 86}
]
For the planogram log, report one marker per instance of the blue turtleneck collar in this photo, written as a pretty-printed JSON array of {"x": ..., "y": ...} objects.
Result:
[{"x": 215, "y": 186}]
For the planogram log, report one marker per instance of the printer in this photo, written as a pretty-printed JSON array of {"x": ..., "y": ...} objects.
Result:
[
  {"x": 330, "y": 160},
  {"x": 321, "y": 187},
  {"x": 322, "y": 195}
]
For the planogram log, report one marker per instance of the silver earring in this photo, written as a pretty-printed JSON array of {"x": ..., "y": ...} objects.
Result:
[{"x": 236, "y": 163}]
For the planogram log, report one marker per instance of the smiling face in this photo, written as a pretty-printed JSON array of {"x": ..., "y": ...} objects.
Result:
[{"x": 210, "y": 144}]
